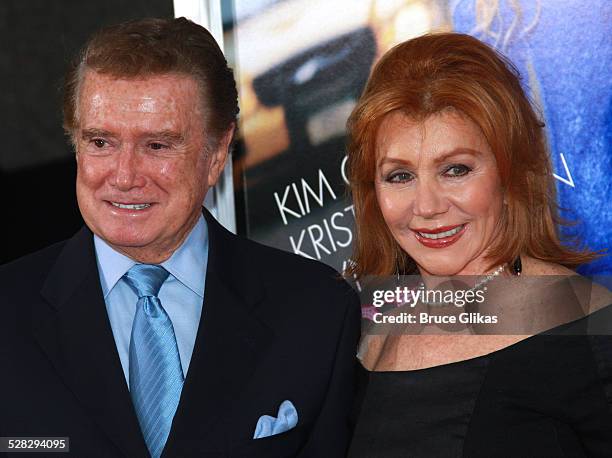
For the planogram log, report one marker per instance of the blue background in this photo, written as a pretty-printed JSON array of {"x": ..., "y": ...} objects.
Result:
[{"x": 562, "y": 49}]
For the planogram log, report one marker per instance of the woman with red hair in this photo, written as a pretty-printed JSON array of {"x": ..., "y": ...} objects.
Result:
[{"x": 450, "y": 175}]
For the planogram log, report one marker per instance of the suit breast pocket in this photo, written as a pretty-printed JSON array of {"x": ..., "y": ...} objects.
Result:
[{"x": 283, "y": 445}]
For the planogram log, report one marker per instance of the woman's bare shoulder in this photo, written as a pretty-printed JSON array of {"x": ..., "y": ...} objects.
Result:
[
  {"x": 592, "y": 295},
  {"x": 534, "y": 266}
]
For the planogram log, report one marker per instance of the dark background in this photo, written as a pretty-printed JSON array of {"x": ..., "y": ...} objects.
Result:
[{"x": 38, "y": 38}]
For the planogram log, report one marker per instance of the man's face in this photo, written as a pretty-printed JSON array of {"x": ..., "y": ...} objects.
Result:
[{"x": 142, "y": 169}]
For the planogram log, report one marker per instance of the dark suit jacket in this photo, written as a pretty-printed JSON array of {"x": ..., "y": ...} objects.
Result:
[{"x": 274, "y": 327}]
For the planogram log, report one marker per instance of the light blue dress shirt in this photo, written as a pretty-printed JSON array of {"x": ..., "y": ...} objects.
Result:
[{"x": 181, "y": 294}]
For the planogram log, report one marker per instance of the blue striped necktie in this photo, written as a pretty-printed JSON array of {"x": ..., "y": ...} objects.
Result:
[{"x": 156, "y": 376}]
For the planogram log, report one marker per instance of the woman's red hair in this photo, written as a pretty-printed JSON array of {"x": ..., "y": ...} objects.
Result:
[{"x": 422, "y": 77}]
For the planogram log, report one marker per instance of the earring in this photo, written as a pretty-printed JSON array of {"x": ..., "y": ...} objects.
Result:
[
  {"x": 400, "y": 263},
  {"x": 397, "y": 269},
  {"x": 517, "y": 266},
  {"x": 397, "y": 277}
]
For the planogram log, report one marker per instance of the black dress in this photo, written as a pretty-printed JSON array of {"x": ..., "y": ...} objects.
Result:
[{"x": 546, "y": 396}]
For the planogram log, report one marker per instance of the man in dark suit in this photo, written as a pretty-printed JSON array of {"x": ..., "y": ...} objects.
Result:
[{"x": 154, "y": 331}]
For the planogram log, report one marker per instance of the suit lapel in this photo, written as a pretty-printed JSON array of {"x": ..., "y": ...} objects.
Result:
[
  {"x": 75, "y": 333},
  {"x": 228, "y": 347}
]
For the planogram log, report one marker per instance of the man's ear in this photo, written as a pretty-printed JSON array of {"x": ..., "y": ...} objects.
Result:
[
  {"x": 73, "y": 143},
  {"x": 219, "y": 156}
]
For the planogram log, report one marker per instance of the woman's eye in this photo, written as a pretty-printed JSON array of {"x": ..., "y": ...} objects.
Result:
[
  {"x": 399, "y": 177},
  {"x": 457, "y": 170}
]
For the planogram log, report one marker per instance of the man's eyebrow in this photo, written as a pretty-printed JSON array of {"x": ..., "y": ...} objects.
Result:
[
  {"x": 165, "y": 135},
  {"x": 88, "y": 134}
]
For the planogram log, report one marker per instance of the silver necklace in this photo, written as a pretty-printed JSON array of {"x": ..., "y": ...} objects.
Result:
[{"x": 480, "y": 284}]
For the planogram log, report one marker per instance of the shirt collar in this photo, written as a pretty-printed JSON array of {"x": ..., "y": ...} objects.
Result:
[{"x": 187, "y": 264}]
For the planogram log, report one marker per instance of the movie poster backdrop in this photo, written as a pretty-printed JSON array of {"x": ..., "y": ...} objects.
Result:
[{"x": 302, "y": 64}]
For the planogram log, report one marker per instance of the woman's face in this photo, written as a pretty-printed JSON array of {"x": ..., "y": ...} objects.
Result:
[{"x": 439, "y": 191}]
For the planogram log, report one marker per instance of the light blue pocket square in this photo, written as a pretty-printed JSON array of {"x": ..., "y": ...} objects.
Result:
[{"x": 286, "y": 418}]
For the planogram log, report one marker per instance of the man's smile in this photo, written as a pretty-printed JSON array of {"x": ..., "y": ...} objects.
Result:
[{"x": 131, "y": 206}]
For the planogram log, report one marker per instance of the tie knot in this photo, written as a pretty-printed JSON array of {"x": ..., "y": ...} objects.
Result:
[{"x": 146, "y": 279}]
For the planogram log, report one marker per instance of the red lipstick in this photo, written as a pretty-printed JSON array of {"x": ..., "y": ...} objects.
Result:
[{"x": 442, "y": 242}]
